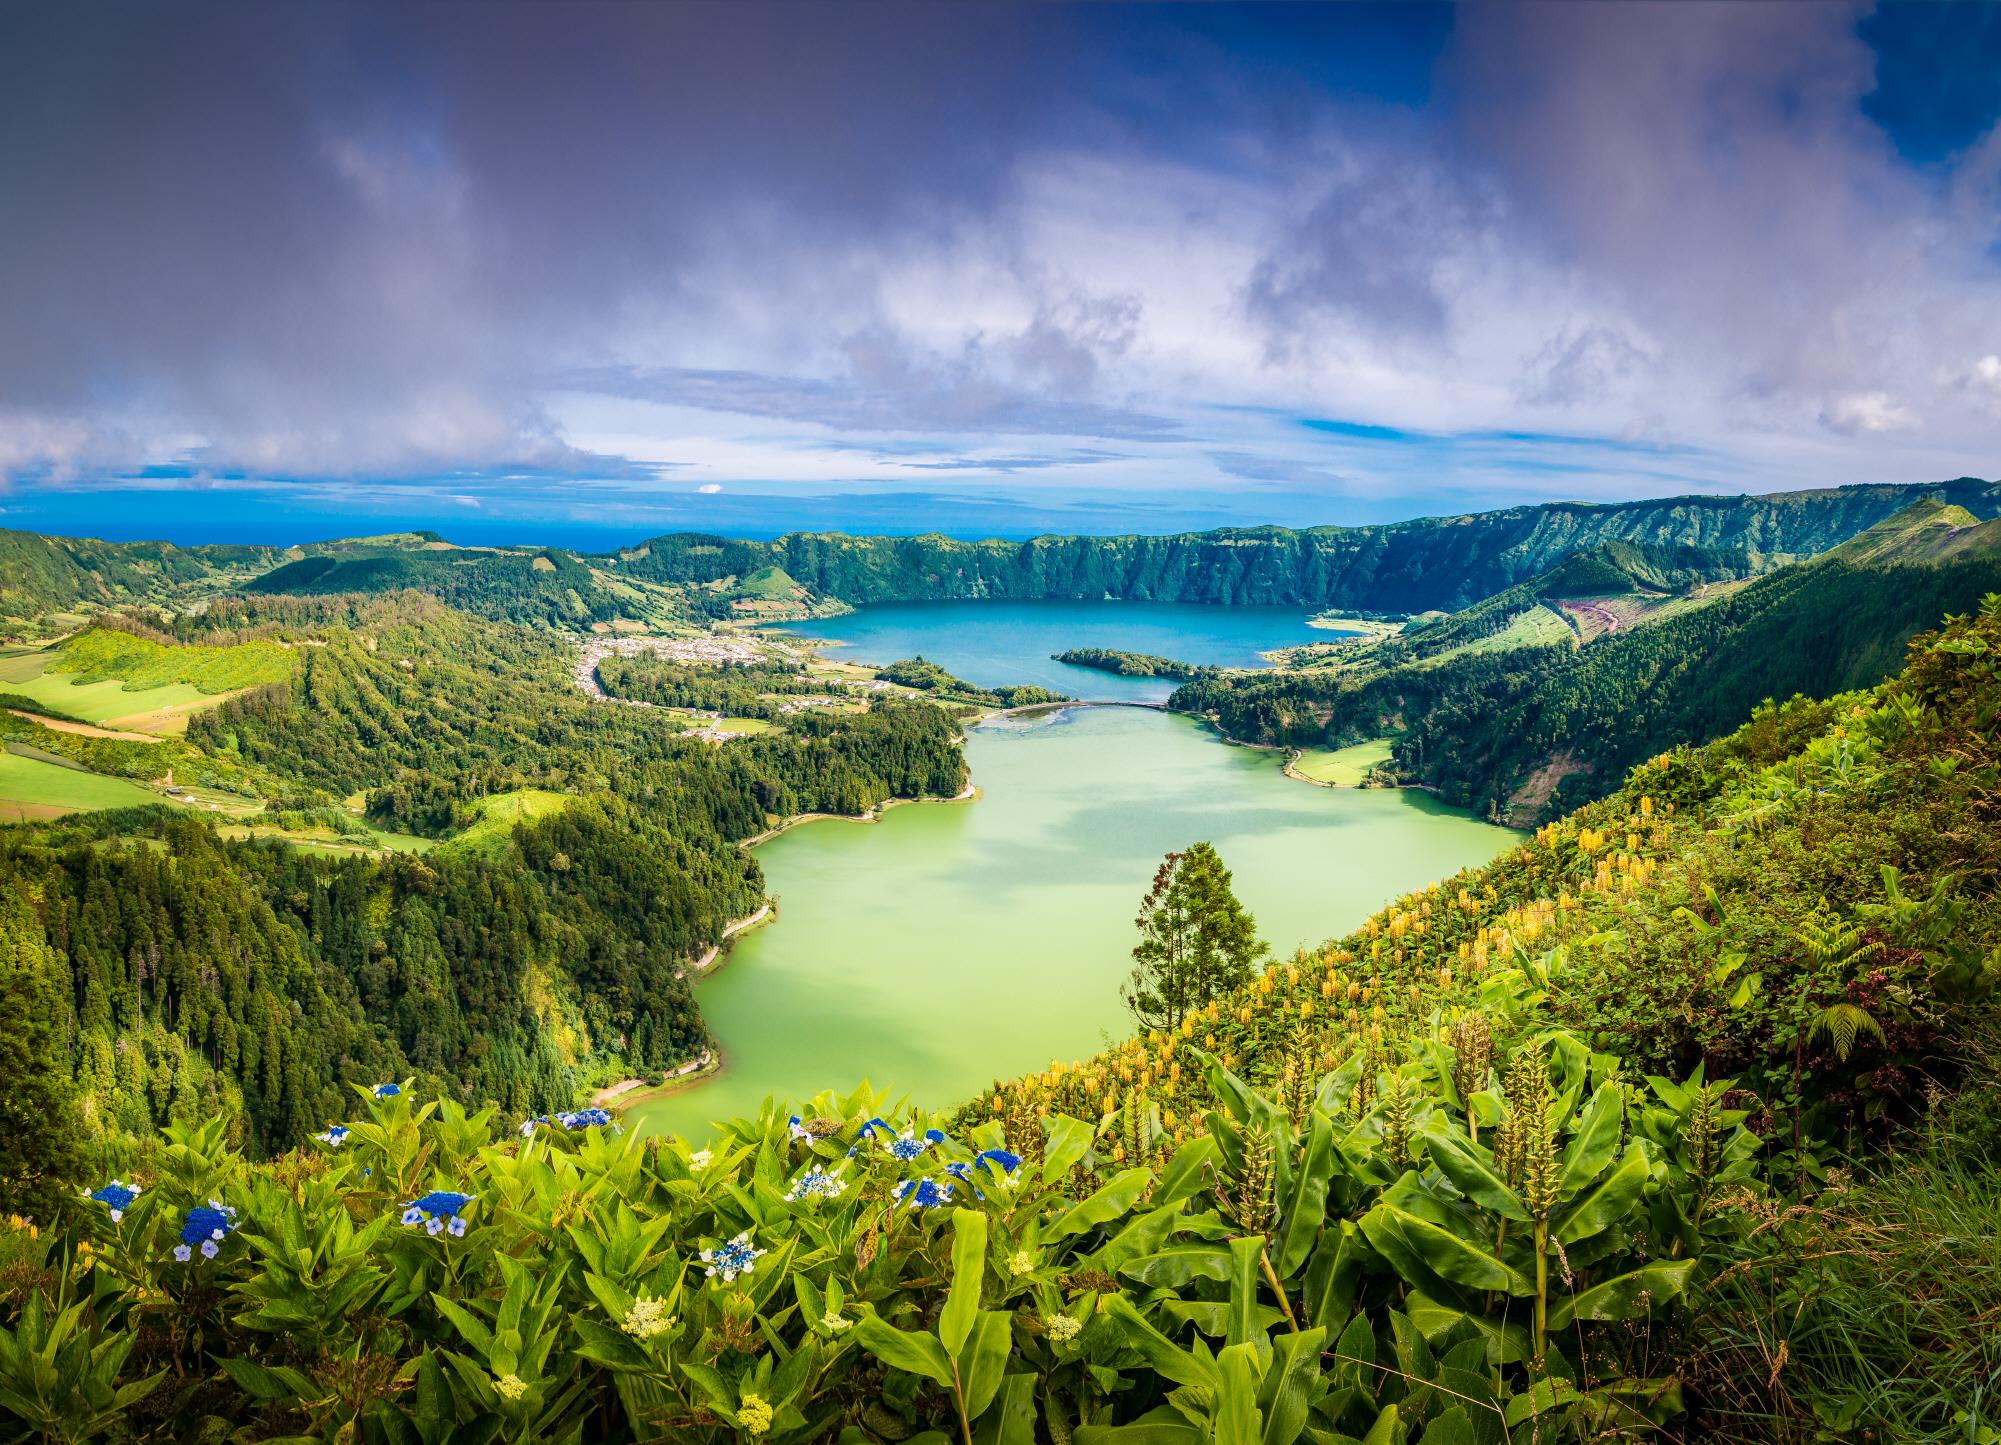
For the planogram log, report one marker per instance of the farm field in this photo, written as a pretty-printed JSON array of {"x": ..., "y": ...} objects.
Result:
[
  {"x": 1341, "y": 767},
  {"x": 32, "y": 789}
]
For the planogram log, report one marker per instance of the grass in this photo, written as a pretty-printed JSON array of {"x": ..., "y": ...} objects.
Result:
[
  {"x": 1342, "y": 767},
  {"x": 499, "y": 813},
  {"x": 1869, "y": 1313},
  {"x": 109, "y": 702},
  {"x": 31, "y": 788},
  {"x": 325, "y": 840},
  {"x": 141, "y": 663}
]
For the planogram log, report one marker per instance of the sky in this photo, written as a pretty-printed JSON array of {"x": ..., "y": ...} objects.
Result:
[{"x": 590, "y": 272}]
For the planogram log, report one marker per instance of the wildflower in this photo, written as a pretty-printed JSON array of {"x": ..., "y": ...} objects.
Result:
[
  {"x": 438, "y": 1210},
  {"x": 835, "y": 1321},
  {"x": 905, "y": 1147},
  {"x": 117, "y": 1196},
  {"x": 204, "y": 1228},
  {"x": 700, "y": 1160},
  {"x": 511, "y": 1387},
  {"x": 816, "y": 1183},
  {"x": 925, "y": 1193},
  {"x": 1061, "y": 1328},
  {"x": 1021, "y": 1262},
  {"x": 647, "y": 1317},
  {"x": 388, "y": 1091},
  {"x": 753, "y": 1416},
  {"x": 732, "y": 1259},
  {"x": 333, "y": 1136},
  {"x": 585, "y": 1119}
]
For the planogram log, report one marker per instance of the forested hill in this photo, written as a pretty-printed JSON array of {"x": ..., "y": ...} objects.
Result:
[
  {"x": 1526, "y": 732},
  {"x": 42, "y": 575},
  {"x": 1429, "y": 563}
]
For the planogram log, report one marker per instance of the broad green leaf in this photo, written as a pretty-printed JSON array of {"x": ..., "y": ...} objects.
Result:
[
  {"x": 1176, "y": 1267},
  {"x": 1620, "y": 1298},
  {"x": 1244, "y": 1255},
  {"x": 1163, "y": 1426},
  {"x": 1452, "y": 1427},
  {"x": 1068, "y": 1139},
  {"x": 916, "y": 1354},
  {"x": 1166, "y": 1357},
  {"x": 1011, "y": 1421},
  {"x": 1596, "y": 1141},
  {"x": 1404, "y": 1238},
  {"x": 984, "y": 1363},
  {"x": 1291, "y": 1385},
  {"x": 1109, "y": 1203},
  {"x": 969, "y": 1267},
  {"x": 1238, "y": 1419},
  {"x": 1388, "y": 1429},
  {"x": 1183, "y": 1174},
  {"x": 1612, "y": 1200},
  {"x": 1470, "y": 1168},
  {"x": 1306, "y": 1209}
]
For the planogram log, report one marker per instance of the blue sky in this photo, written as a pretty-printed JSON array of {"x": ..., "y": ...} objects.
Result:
[{"x": 590, "y": 272}]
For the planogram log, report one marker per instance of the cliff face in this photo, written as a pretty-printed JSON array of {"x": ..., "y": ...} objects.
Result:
[{"x": 1443, "y": 563}]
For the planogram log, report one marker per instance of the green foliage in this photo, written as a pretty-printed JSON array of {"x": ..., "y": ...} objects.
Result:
[
  {"x": 926, "y": 676},
  {"x": 1132, "y": 664},
  {"x": 143, "y": 662},
  {"x": 1197, "y": 943},
  {"x": 1399, "y": 567},
  {"x": 1528, "y": 733},
  {"x": 41, "y": 1153}
]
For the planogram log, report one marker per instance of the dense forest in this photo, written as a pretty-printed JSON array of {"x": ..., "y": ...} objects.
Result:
[
  {"x": 1430, "y": 563},
  {"x": 735, "y": 689},
  {"x": 203, "y": 978},
  {"x": 545, "y": 585},
  {"x": 201, "y": 975},
  {"x": 1525, "y": 733},
  {"x": 1132, "y": 664}
]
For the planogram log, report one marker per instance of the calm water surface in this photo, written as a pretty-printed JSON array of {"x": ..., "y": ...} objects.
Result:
[
  {"x": 949, "y": 944},
  {"x": 995, "y": 644}
]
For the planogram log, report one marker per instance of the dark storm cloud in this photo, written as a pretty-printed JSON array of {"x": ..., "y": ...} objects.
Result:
[{"x": 499, "y": 241}]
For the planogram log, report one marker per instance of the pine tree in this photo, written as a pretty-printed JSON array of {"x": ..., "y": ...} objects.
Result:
[{"x": 1196, "y": 940}]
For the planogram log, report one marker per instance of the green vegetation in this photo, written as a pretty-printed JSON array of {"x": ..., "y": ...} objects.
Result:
[
  {"x": 1348, "y": 767},
  {"x": 1132, "y": 664},
  {"x": 496, "y": 816},
  {"x": 143, "y": 662},
  {"x": 925, "y": 676},
  {"x": 1196, "y": 942},
  {"x": 1524, "y": 733},
  {"x": 33, "y": 787},
  {"x": 1561, "y": 1149},
  {"x": 545, "y": 586},
  {"x": 1401, "y": 567},
  {"x": 739, "y": 689}
]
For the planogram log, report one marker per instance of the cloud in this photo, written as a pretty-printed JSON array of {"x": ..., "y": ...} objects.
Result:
[
  {"x": 1867, "y": 411},
  {"x": 598, "y": 248}
]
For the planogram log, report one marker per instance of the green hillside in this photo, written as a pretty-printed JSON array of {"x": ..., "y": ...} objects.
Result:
[
  {"x": 546, "y": 586},
  {"x": 1525, "y": 733},
  {"x": 1411, "y": 566},
  {"x": 1550, "y": 1150}
]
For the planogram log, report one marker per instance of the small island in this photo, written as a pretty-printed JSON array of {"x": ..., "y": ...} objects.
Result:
[
  {"x": 923, "y": 675},
  {"x": 1135, "y": 664}
]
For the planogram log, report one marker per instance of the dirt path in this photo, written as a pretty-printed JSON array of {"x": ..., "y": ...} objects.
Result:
[
  {"x": 83, "y": 730},
  {"x": 701, "y": 965}
]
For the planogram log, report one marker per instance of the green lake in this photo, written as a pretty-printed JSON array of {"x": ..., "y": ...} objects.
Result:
[{"x": 948, "y": 944}]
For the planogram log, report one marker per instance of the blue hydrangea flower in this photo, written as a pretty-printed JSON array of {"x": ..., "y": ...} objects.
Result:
[
  {"x": 732, "y": 1259},
  {"x": 999, "y": 1162},
  {"x": 925, "y": 1193},
  {"x": 117, "y": 1196},
  {"x": 438, "y": 1210},
  {"x": 798, "y": 1130},
  {"x": 334, "y": 1135},
  {"x": 388, "y": 1091},
  {"x": 204, "y": 1228},
  {"x": 528, "y": 1126},
  {"x": 816, "y": 1183},
  {"x": 585, "y": 1119}
]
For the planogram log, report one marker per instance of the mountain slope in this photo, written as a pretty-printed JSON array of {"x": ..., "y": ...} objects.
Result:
[
  {"x": 1414, "y": 566},
  {"x": 1523, "y": 733}
]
